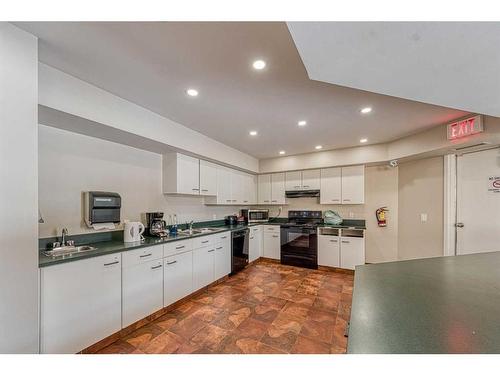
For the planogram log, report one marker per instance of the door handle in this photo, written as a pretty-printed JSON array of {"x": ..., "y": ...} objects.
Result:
[
  {"x": 145, "y": 255},
  {"x": 156, "y": 267},
  {"x": 195, "y": 189},
  {"x": 459, "y": 225},
  {"x": 218, "y": 248},
  {"x": 169, "y": 263},
  {"x": 211, "y": 251},
  {"x": 333, "y": 241},
  {"x": 275, "y": 236},
  {"x": 180, "y": 247},
  {"x": 204, "y": 241},
  {"x": 346, "y": 241},
  {"x": 110, "y": 264}
]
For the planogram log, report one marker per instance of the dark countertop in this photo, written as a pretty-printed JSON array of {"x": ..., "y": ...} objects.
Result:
[
  {"x": 115, "y": 246},
  {"x": 435, "y": 305}
]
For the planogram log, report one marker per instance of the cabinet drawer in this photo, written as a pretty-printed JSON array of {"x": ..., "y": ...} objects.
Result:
[
  {"x": 221, "y": 237},
  {"x": 271, "y": 228},
  {"x": 177, "y": 247},
  {"x": 145, "y": 254},
  {"x": 203, "y": 241}
]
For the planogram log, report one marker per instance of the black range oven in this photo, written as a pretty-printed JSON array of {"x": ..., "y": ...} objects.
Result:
[{"x": 299, "y": 239}]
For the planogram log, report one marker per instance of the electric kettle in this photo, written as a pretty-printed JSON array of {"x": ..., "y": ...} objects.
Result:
[{"x": 133, "y": 231}]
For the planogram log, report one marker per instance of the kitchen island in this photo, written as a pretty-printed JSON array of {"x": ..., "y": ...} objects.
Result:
[{"x": 434, "y": 305}]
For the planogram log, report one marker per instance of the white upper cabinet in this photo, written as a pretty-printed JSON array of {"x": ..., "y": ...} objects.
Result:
[
  {"x": 181, "y": 174},
  {"x": 302, "y": 180},
  {"x": 278, "y": 188},
  {"x": 293, "y": 180},
  {"x": 331, "y": 186},
  {"x": 264, "y": 189},
  {"x": 310, "y": 179},
  {"x": 208, "y": 178},
  {"x": 353, "y": 184}
]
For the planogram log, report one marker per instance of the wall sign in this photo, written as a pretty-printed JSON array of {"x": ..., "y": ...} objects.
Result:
[
  {"x": 464, "y": 128},
  {"x": 494, "y": 184}
]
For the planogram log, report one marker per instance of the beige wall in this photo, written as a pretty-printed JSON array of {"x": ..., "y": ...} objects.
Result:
[
  {"x": 421, "y": 191},
  {"x": 71, "y": 163}
]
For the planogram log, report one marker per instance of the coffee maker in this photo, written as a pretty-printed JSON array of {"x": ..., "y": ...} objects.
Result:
[{"x": 156, "y": 226}]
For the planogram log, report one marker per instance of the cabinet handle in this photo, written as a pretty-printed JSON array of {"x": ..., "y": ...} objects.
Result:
[
  {"x": 297, "y": 186},
  {"x": 274, "y": 201},
  {"x": 234, "y": 200},
  {"x": 245, "y": 201},
  {"x": 204, "y": 189},
  {"x": 204, "y": 241},
  {"x": 223, "y": 238},
  {"x": 266, "y": 201},
  {"x": 145, "y": 255},
  {"x": 169, "y": 263},
  {"x": 306, "y": 185},
  {"x": 110, "y": 264},
  {"x": 275, "y": 235},
  {"x": 211, "y": 251},
  {"x": 251, "y": 238},
  {"x": 334, "y": 241},
  {"x": 218, "y": 248},
  {"x": 335, "y": 200},
  {"x": 228, "y": 200},
  {"x": 346, "y": 200},
  {"x": 156, "y": 267},
  {"x": 343, "y": 241},
  {"x": 195, "y": 189},
  {"x": 180, "y": 247}
]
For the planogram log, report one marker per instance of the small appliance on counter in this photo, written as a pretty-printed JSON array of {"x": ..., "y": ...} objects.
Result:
[
  {"x": 255, "y": 216},
  {"x": 231, "y": 220},
  {"x": 133, "y": 231},
  {"x": 156, "y": 226},
  {"x": 102, "y": 209}
]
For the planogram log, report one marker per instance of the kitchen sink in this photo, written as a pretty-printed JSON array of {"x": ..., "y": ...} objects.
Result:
[
  {"x": 68, "y": 250},
  {"x": 186, "y": 232}
]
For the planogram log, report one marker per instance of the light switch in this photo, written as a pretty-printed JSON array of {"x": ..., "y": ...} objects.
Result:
[{"x": 423, "y": 218}]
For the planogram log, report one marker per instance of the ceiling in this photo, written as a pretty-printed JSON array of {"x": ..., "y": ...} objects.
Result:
[
  {"x": 152, "y": 64},
  {"x": 453, "y": 64}
]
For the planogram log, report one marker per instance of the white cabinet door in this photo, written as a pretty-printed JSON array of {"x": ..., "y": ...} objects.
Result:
[
  {"x": 223, "y": 257},
  {"x": 237, "y": 187},
  {"x": 208, "y": 178},
  {"x": 272, "y": 245},
  {"x": 352, "y": 252},
  {"x": 255, "y": 243},
  {"x": 80, "y": 303},
  {"x": 142, "y": 290},
  {"x": 203, "y": 267},
  {"x": 264, "y": 188},
  {"x": 310, "y": 179},
  {"x": 331, "y": 186},
  {"x": 188, "y": 175},
  {"x": 329, "y": 251},
  {"x": 353, "y": 184},
  {"x": 250, "y": 189},
  {"x": 278, "y": 188},
  {"x": 293, "y": 181},
  {"x": 178, "y": 277},
  {"x": 224, "y": 195}
]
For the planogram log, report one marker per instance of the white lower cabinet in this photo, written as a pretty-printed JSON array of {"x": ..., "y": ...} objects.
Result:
[
  {"x": 80, "y": 303},
  {"x": 255, "y": 243},
  {"x": 177, "y": 277},
  {"x": 329, "y": 251},
  {"x": 142, "y": 283},
  {"x": 203, "y": 266},
  {"x": 272, "y": 242},
  {"x": 222, "y": 256},
  {"x": 352, "y": 252}
]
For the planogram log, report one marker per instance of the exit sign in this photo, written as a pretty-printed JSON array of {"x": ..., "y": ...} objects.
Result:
[{"x": 464, "y": 128}]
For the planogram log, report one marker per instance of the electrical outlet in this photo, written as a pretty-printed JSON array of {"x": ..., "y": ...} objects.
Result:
[
  {"x": 423, "y": 218},
  {"x": 214, "y": 217}
]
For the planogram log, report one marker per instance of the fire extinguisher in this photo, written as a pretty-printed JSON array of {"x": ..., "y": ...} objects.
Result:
[{"x": 380, "y": 214}]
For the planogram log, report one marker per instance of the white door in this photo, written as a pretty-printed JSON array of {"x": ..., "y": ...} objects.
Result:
[
  {"x": 352, "y": 252},
  {"x": 272, "y": 245},
  {"x": 353, "y": 185},
  {"x": 178, "y": 277},
  {"x": 223, "y": 258},
  {"x": 310, "y": 179},
  {"x": 203, "y": 267},
  {"x": 478, "y": 202},
  {"x": 208, "y": 178},
  {"x": 278, "y": 188},
  {"x": 329, "y": 251},
  {"x": 237, "y": 187},
  {"x": 188, "y": 175},
  {"x": 224, "y": 185},
  {"x": 331, "y": 186},
  {"x": 293, "y": 180},
  {"x": 251, "y": 189},
  {"x": 264, "y": 188}
]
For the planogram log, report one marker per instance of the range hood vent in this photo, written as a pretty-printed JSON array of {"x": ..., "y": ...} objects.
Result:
[{"x": 302, "y": 193}]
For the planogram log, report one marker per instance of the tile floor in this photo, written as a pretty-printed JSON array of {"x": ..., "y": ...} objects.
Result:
[{"x": 267, "y": 308}]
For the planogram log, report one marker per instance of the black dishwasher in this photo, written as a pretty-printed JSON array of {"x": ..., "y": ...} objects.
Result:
[{"x": 239, "y": 245}]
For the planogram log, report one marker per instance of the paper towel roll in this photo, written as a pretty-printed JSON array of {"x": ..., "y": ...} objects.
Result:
[{"x": 102, "y": 226}]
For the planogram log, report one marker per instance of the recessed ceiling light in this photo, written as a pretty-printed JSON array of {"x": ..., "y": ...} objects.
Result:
[
  {"x": 318, "y": 147},
  {"x": 366, "y": 110},
  {"x": 282, "y": 152},
  {"x": 192, "y": 92},
  {"x": 259, "y": 64},
  {"x": 363, "y": 140},
  {"x": 302, "y": 123},
  {"x": 253, "y": 132}
]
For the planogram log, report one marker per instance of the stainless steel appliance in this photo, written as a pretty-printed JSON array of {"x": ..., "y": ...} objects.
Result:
[
  {"x": 239, "y": 248},
  {"x": 255, "y": 216},
  {"x": 156, "y": 226},
  {"x": 101, "y": 207},
  {"x": 299, "y": 239}
]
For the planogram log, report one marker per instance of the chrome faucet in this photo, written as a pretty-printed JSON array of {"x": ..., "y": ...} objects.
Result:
[
  {"x": 191, "y": 227},
  {"x": 63, "y": 236}
]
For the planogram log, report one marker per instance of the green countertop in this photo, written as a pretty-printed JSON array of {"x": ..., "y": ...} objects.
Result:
[{"x": 434, "y": 305}]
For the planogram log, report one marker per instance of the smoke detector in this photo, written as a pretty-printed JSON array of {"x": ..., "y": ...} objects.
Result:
[{"x": 393, "y": 163}]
